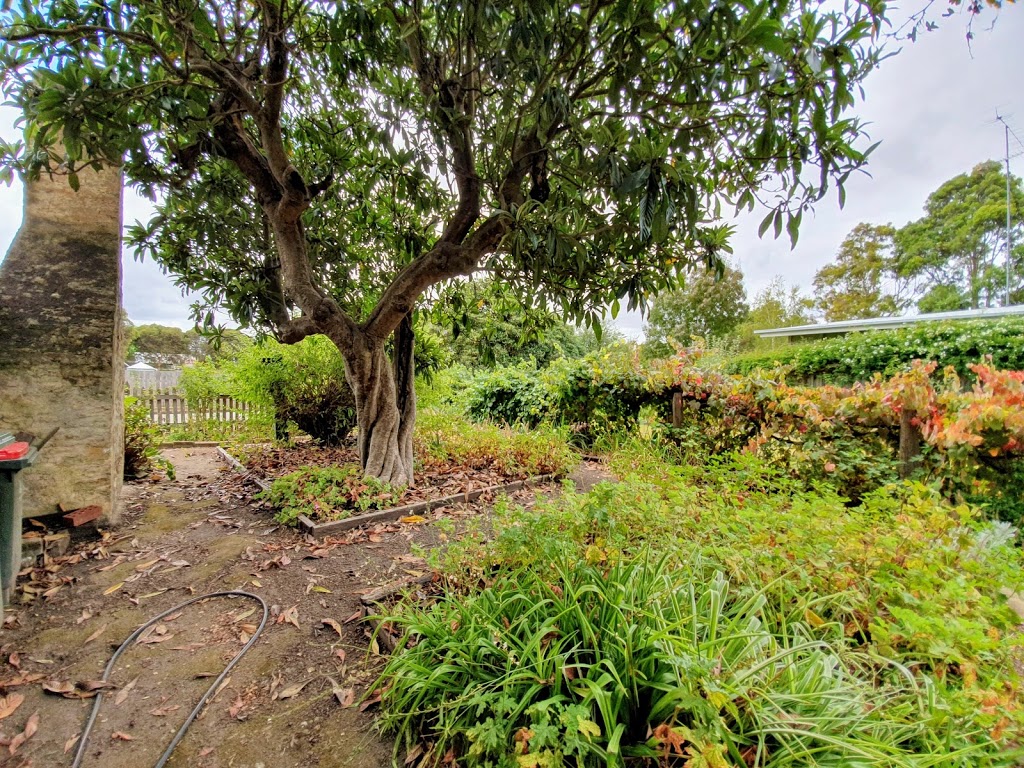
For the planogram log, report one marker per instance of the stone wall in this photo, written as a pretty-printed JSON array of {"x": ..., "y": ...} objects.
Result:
[{"x": 61, "y": 346}]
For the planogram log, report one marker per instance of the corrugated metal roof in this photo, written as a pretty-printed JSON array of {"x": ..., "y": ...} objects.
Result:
[{"x": 880, "y": 323}]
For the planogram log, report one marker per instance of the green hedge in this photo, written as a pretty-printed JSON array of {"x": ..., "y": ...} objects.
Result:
[
  {"x": 859, "y": 356},
  {"x": 594, "y": 395}
]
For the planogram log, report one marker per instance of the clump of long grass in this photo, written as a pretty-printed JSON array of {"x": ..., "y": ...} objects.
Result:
[{"x": 636, "y": 661}]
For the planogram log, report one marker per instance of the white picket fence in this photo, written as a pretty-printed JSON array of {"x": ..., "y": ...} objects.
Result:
[{"x": 175, "y": 409}]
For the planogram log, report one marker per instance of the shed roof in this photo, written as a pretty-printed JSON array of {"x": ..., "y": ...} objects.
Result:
[{"x": 880, "y": 323}]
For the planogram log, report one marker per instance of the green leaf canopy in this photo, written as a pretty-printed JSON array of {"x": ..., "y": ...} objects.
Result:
[{"x": 579, "y": 152}]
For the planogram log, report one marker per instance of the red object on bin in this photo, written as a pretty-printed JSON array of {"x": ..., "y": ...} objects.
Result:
[{"x": 13, "y": 451}]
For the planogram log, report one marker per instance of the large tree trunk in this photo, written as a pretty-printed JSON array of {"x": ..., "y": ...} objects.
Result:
[{"x": 385, "y": 405}]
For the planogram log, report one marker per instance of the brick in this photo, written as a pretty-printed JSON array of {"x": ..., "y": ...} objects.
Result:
[{"x": 83, "y": 515}]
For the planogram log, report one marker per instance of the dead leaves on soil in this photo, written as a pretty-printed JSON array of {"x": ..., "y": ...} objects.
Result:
[
  {"x": 85, "y": 689},
  {"x": 9, "y": 703},
  {"x": 290, "y": 616},
  {"x": 31, "y": 726}
]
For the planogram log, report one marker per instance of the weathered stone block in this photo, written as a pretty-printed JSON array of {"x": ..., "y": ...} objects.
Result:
[{"x": 61, "y": 346}]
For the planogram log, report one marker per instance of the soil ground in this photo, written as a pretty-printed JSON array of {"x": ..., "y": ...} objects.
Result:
[{"x": 177, "y": 539}]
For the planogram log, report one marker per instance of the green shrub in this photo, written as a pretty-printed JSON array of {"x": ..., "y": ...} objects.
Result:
[
  {"x": 304, "y": 383},
  {"x": 141, "y": 438},
  {"x": 858, "y": 356},
  {"x": 301, "y": 383},
  {"x": 598, "y": 394},
  {"x": 512, "y": 395},
  {"x": 328, "y": 493},
  {"x": 639, "y": 661}
]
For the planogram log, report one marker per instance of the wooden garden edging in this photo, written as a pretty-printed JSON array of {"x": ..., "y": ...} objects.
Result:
[
  {"x": 369, "y": 605},
  {"x": 236, "y": 464},
  {"x": 395, "y": 513}
]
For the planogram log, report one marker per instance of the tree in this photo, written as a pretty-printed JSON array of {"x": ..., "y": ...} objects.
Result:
[
  {"x": 159, "y": 345},
  {"x": 957, "y": 251},
  {"x": 324, "y": 165},
  {"x": 864, "y": 281},
  {"x": 775, "y": 306},
  {"x": 708, "y": 305},
  {"x": 486, "y": 324}
]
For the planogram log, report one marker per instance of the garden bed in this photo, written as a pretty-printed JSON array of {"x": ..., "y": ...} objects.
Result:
[{"x": 441, "y": 481}]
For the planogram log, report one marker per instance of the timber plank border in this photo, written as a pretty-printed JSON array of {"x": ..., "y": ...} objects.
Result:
[{"x": 419, "y": 507}]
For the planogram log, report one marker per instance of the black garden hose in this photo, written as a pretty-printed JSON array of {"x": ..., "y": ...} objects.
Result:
[{"x": 83, "y": 741}]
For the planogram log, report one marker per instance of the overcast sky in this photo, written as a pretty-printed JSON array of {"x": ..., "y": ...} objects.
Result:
[{"x": 933, "y": 107}]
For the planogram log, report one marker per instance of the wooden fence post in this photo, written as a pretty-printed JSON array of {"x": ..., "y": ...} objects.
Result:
[
  {"x": 677, "y": 409},
  {"x": 910, "y": 444}
]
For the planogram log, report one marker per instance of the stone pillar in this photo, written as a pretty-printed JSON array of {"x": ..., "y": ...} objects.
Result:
[{"x": 61, "y": 343}]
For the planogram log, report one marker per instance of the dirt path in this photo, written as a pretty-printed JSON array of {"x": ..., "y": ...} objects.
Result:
[{"x": 201, "y": 533}]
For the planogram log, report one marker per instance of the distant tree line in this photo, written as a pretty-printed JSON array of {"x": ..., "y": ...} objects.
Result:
[{"x": 953, "y": 257}]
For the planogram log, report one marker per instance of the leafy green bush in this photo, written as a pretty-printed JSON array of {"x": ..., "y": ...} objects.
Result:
[
  {"x": 640, "y": 660},
  {"x": 597, "y": 394},
  {"x": 512, "y": 395},
  {"x": 305, "y": 384},
  {"x": 858, "y": 356},
  {"x": 328, "y": 493},
  {"x": 302, "y": 383},
  {"x": 141, "y": 438}
]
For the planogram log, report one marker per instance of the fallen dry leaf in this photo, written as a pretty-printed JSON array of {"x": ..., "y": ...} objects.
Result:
[
  {"x": 414, "y": 753},
  {"x": 413, "y": 519},
  {"x": 345, "y": 696},
  {"x": 95, "y": 685},
  {"x": 14, "y": 660},
  {"x": 22, "y": 679},
  {"x": 123, "y": 693},
  {"x": 332, "y": 624},
  {"x": 291, "y": 690},
  {"x": 236, "y": 707},
  {"x": 205, "y": 751},
  {"x": 60, "y": 687},
  {"x": 70, "y": 743},
  {"x": 95, "y": 634},
  {"x": 164, "y": 711},
  {"x": 30, "y": 728},
  {"x": 121, "y": 736},
  {"x": 113, "y": 589},
  {"x": 374, "y": 699},
  {"x": 291, "y": 616},
  {"x": 10, "y": 703}
]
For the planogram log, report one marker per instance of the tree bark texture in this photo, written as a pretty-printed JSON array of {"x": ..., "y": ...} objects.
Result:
[{"x": 385, "y": 405}]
